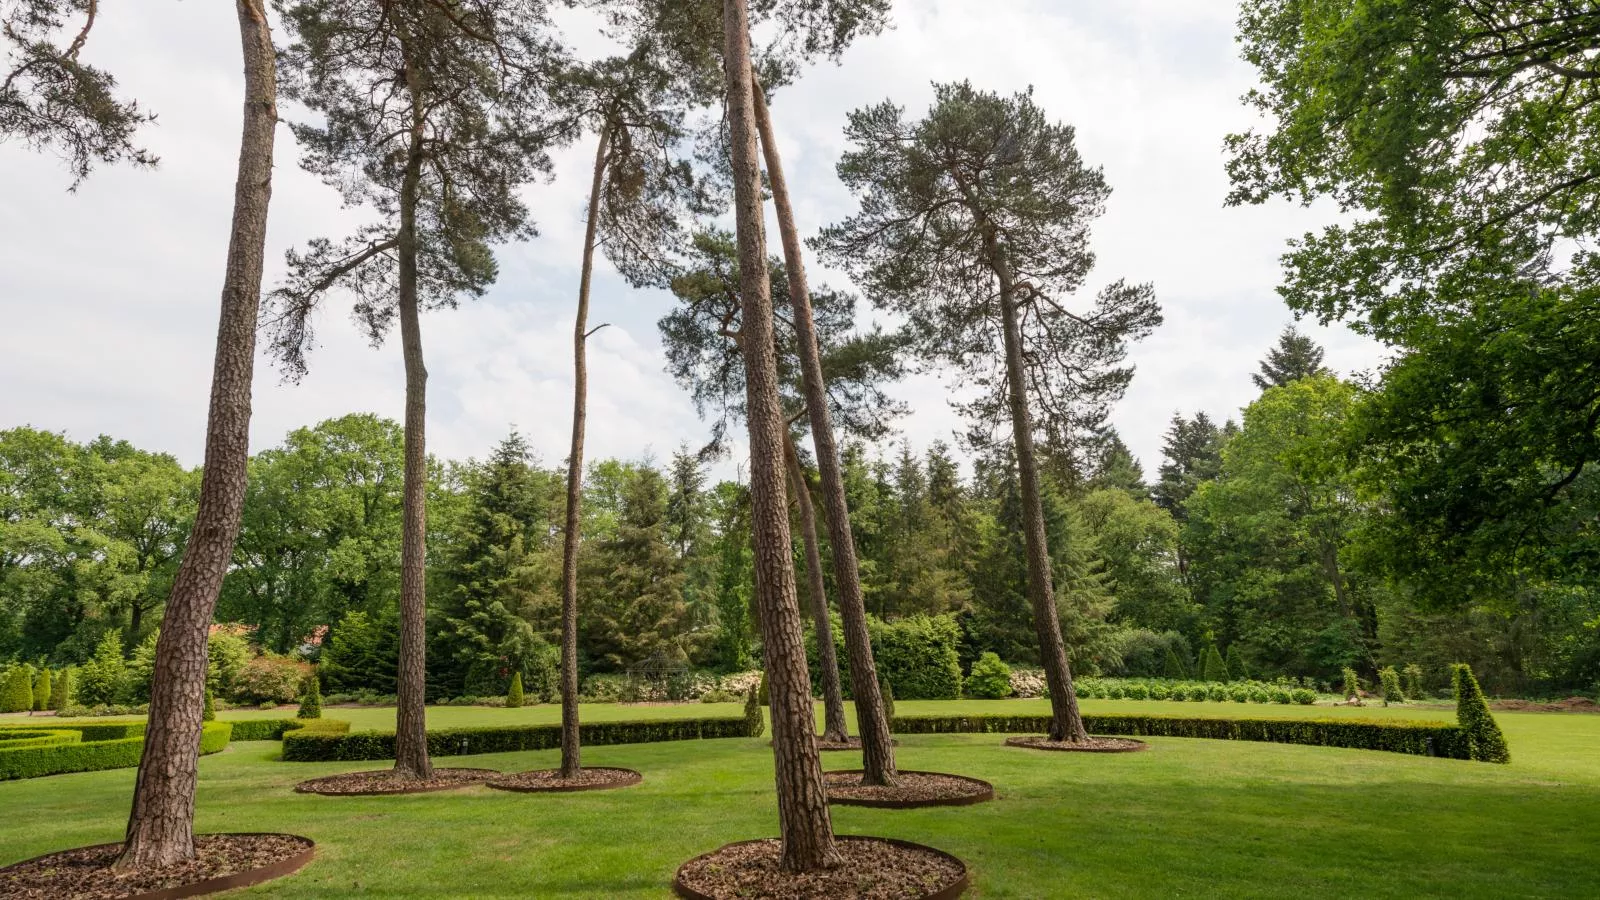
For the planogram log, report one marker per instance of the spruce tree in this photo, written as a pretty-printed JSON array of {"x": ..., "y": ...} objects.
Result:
[
  {"x": 1296, "y": 356},
  {"x": 636, "y": 580},
  {"x": 434, "y": 116},
  {"x": 985, "y": 192}
]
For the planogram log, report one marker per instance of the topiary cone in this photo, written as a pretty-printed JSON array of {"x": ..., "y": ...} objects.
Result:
[
  {"x": 1485, "y": 741},
  {"x": 514, "y": 695}
]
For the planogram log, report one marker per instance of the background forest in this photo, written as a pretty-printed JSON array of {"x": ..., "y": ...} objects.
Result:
[{"x": 1261, "y": 537}]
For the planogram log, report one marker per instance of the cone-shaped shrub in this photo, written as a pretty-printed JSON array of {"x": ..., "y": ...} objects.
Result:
[
  {"x": 753, "y": 721},
  {"x": 1215, "y": 668},
  {"x": 514, "y": 696},
  {"x": 888, "y": 699},
  {"x": 1174, "y": 667},
  {"x": 1352, "y": 684},
  {"x": 1484, "y": 740},
  {"x": 17, "y": 695},
  {"x": 762, "y": 696},
  {"x": 310, "y": 698},
  {"x": 61, "y": 690},
  {"x": 1413, "y": 673},
  {"x": 1236, "y": 667},
  {"x": 210, "y": 713},
  {"x": 1390, "y": 680},
  {"x": 41, "y": 692}
]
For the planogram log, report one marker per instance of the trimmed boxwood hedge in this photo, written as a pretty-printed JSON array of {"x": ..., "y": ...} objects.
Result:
[
  {"x": 315, "y": 745},
  {"x": 95, "y": 753},
  {"x": 18, "y": 738},
  {"x": 1420, "y": 738},
  {"x": 275, "y": 729}
]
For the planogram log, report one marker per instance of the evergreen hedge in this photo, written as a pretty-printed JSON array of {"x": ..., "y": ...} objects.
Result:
[
  {"x": 41, "y": 692},
  {"x": 1420, "y": 738},
  {"x": 754, "y": 724},
  {"x": 61, "y": 690},
  {"x": 315, "y": 745},
  {"x": 1483, "y": 735},
  {"x": 918, "y": 656},
  {"x": 274, "y": 729},
  {"x": 1215, "y": 669},
  {"x": 311, "y": 698},
  {"x": 514, "y": 694},
  {"x": 17, "y": 693},
  {"x": 1389, "y": 679},
  {"x": 91, "y": 754},
  {"x": 18, "y": 738}
]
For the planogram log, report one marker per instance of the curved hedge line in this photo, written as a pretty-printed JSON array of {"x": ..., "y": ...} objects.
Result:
[
  {"x": 312, "y": 744},
  {"x": 1420, "y": 738},
  {"x": 20, "y": 738},
  {"x": 275, "y": 729},
  {"x": 91, "y": 754}
]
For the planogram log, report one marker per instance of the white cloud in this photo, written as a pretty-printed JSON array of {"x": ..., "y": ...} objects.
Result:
[{"x": 109, "y": 295}]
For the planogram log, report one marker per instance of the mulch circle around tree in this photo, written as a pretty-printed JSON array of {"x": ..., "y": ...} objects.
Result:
[
  {"x": 385, "y": 781},
  {"x": 1095, "y": 744},
  {"x": 222, "y": 862},
  {"x": 913, "y": 790},
  {"x": 597, "y": 778},
  {"x": 871, "y": 868}
]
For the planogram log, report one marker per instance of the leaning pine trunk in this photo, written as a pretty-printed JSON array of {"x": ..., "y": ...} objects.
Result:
[
  {"x": 161, "y": 825},
  {"x": 806, "y": 828},
  {"x": 411, "y": 717},
  {"x": 1066, "y": 723},
  {"x": 570, "y": 744},
  {"x": 877, "y": 747},
  {"x": 836, "y": 729}
]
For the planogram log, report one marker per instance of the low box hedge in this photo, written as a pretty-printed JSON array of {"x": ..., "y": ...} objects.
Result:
[
  {"x": 312, "y": 744},
  {"x": 19, "y": 738},
  {"x": 1420, "y": 738},
  {"x": 89, "y": 755},
  {"x": 275, "y": 729}
]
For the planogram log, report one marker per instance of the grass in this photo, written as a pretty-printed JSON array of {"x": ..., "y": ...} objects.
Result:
[{"x": 1187, "y": 818}]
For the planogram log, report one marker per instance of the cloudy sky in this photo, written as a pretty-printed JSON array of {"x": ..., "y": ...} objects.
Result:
[{"x": 108, "y": 297}]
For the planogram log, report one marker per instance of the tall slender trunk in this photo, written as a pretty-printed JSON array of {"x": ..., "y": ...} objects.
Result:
[
  {"x": 804, "y": 823},
  {"x": 161, "y": 824},
  {"x": 411, "y": 717},
  {"x": 835, "y": 727},
  {"x": 1066, "y": 722},
  {"x": 570, "y": 748},
  {"x": 877, "y": 747}
]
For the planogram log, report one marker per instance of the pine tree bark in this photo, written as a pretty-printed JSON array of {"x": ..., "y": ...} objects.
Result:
[
  {"x": 872, "y": 722},
  {"x": 570, "y": 741},
  {"x": 836, "y": 728},
  {"x": 161, "y": 824},
  {"x": 1066, "y": 722},
  {"x": 411, "y": 716},
  {"x": 804, "y": 823}
]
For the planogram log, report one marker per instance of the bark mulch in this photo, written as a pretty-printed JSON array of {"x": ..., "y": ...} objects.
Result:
[
  {"x": 385, "y": 781},
  {"x": 1095, "y": 744},
  {"x": 597, "y": 778},
  {"x": 222, "y": 862},
  {"x": 913, "y": 789},
  {"x": 870, "y": 868}
]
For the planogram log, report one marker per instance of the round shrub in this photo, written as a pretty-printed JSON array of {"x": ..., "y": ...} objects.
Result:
[
  {"x": 1136, "y": 691},
  {"x": 1239, "y": 693},
  {"x": 990, "y": 678},
  {"x": 1259, "y": 694},
  {"x": 1280, "y": 695},
  {"x": 1114, "y": 692},
  {"x": 1159, "y": 691},
  {"x": 270, "y": 679},
  {"x": 1303, "y": 696},
  {"x": 1217, "y": 692}
]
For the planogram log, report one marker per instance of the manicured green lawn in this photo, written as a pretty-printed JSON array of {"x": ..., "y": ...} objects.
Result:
[{"x": 1187, "y": 818}]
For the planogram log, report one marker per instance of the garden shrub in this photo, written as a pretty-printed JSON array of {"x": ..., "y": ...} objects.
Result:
[
  {"x": 270, "y": 679},
  {"x": 1215, "y": 668},
  {"x": 275, "y": 729},
  {"x": 1113, "y": 692},
  {"x": 1174, "y": 666},
  {"x": 16, "y": 694},
  {"x": 754, "y": 724},
  {"x": 763, "y": 696},
  {"x": 19, "y": 738},
  {"x": 1303, "y": 696},
  {"x": 918, "y": 656},
  {"x": 604, "y": 688},
  {"x": 96, "y": 750},
  {"x": 887, "y": 692},
  {"x": 310, "y": 698},
  {"x": 1136, "y": 691},
  {"x": 314, "y": 745},
  {"x": 990, "y": 678},
  {"x": 1159, "y": 691},
  {"x": 362, "y": 654},
  {"x": 61, "y": 690},
  {"x": 1413, "y": 686},
  {"x": 1419, "y": 738},
  {"x": 1236, "y": 666},
  {"x": 104, "y": 678},
  {"x": 1352, "y": 684},
  {"x": 1483, "y": 736},
  {"x": 1390, "y": 681},
  {"x": 1239, "y": 693},
  {"x": 514, "y": 696},
  {"x": 718, "y": 695},
  {"x": 1217, "y": 692},
  {"x": 1260, "y": 694},
  {"x": 41, "y": 692},
  {"x": 210, "y": 712},
  {"x": 1281, "y": 695}
]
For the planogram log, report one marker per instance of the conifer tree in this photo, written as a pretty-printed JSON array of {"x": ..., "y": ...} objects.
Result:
[
  {"x": 514, "y": 696},
  {"x": 1173, "y": 667},
  {"x": 1484, "y": 738},
  {"x": 985, "y": 192},
  {"x": 1236, "y": 664},
  {"x": 310, "y": 698},
  {"x": 41, "y": 691},
  {"x": 17, "y": 693},
  {"x": 433, "y": 116},
  {"x": 1295, "y": 356},
  {"x": 61, "y": 690}
]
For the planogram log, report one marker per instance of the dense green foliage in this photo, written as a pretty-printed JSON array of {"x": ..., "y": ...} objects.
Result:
[
  {"x": 754, "y": 722},
  {"x": 16, "y": 692},
  {"x": 105, "y": 747},
  {"x": 310, "y": 698},
  {"x": 1389, "y": 681},
  {"x": 990, "y": 678},
  {"x": 514, "y": 693}
]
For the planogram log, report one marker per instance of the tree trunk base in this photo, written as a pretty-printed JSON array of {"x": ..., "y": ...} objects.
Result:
[
  {"x": 869, "y": 868},
  {"x": 223, "y": 862},
  {"x": 1091, "y": 744},
  {"x": 554, "y": 781},
  {"x": 910, "y": 790}
]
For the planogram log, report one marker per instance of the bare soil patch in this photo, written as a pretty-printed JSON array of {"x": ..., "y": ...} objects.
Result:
[
  {"x": 913, "y": 789},
  {"x": 1571, "y": 704},
  {"x": 386, "y": 781},
  {"x": 870, "y": 869},
  {"x": 597, "y": 778},
  {"x": 222, "y": 862},
  {"x": 1095, "y": 744}
]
